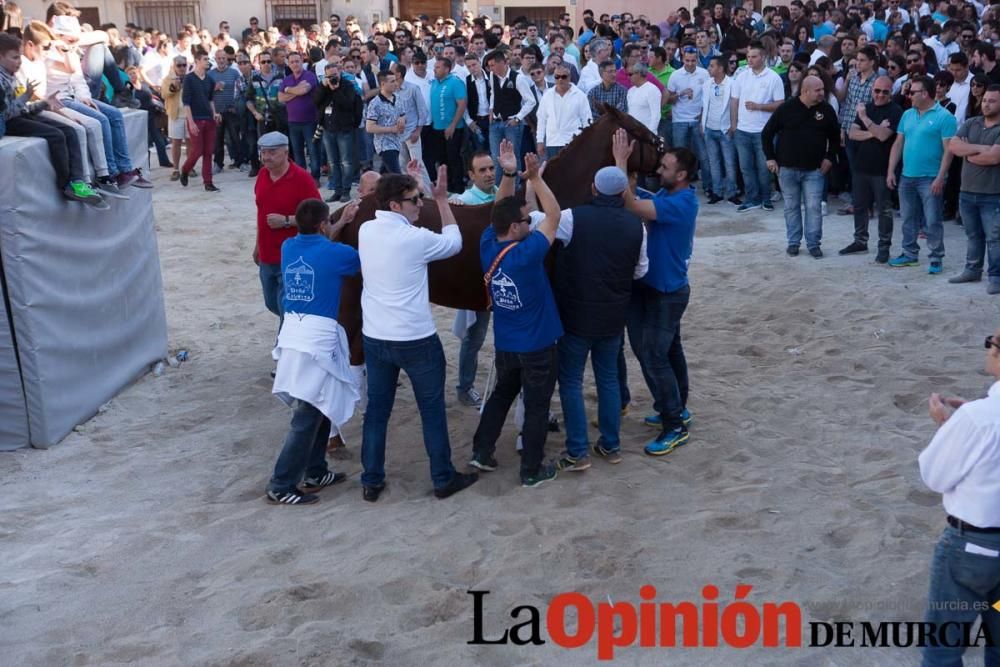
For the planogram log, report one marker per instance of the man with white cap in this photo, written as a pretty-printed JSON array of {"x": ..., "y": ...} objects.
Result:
[
  {"x": 603, "y": 251},
  {"x": 281, "y": 186}
]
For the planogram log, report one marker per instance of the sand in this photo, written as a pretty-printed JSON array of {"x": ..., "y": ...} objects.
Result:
[{"x": 143, "y": 538}]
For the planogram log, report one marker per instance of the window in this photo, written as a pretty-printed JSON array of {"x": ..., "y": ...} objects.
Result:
[
  {"x": 168, "y": 16},
  {"x": 283, "y": 13}
]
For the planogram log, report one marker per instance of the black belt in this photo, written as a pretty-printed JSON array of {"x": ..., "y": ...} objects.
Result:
[{"x": 968, "y": 527}]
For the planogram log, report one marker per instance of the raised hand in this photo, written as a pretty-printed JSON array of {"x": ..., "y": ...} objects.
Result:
[
  {"x": 531, "y": 167},
  {"x": 413, "y": 169},
  {"x": 508, "y": 160},
  {"x": 440, "y": 190},
  {"x": 621, "y": 147}
]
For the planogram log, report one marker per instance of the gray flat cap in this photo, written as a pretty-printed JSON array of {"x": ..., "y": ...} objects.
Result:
[{"x": 273, "y": 140}]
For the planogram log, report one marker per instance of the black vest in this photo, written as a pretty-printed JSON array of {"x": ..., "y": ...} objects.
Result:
[
  {"x": 472, "y": 93},
  {"x": 506, "y": 99},
  {"x": 593, "y": 277}
]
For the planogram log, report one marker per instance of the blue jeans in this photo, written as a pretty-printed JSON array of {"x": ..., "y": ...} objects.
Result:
[
  {"x": 271, "y": 283},
  {"x": 664, "y": 130},
  {"x": 981, "y": 220},
  {"x": 961, "y": 579},
  {"x": 423, "y": 361},
  {"x": 304, "y": 452},
  {"x": 300, "y": 136},
  {"x": 917, "y": 205},
  {"x": 800, "y": 188},
  {"x": 500, "y": 131},
  {"x": 112, "y": 133},
  {"x": 390, "y": 160},
  {"x": 340, "y": 152},
  {"x": 573, "y": 351},
  {"x": 468, "y": 355},
  {"x": 534, "y": 374},
  {"x": 654, "y": 330},
  {"x": 721, "y": 154},
  {"x": 753, "y": 164},
  {"x": 688, "y": 135}
]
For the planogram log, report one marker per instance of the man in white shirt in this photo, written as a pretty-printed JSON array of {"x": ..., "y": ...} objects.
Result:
[
  {"x": 963, "y": 464},
  {"x": 958, "y": 65},
  {"x": 824, "y": 47},
  {"x": 562, "y": 112},
  {"x": 944, "y": 44},
  {"x": 644, "y": 98},
  {"x": 590, "y": 76},
  {"x": 757, "y": 93},
  {"x": 510, "y": 102},
  {"x": 715, "y": 124},
  {"x": 399, "y": 331},
  {"x": 684, "y": 90}
]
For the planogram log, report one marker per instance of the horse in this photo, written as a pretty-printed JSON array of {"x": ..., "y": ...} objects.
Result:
[{"x": 457, "y": 282}]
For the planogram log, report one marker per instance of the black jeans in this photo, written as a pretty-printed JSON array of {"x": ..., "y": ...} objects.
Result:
[
  {"x": 63, "y": 144},
  {"x": 447, "y": 152},
  {"x": 654, "y": 330},
  {"x": 249, "y": 136},
  {"x": 871, "y": 190},
  {"x": 229, "y": 133},
  {"x": 534, "y": 373}
]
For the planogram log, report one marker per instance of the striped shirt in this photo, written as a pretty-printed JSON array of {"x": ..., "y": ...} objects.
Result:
[{"x": 225, "y": 99}]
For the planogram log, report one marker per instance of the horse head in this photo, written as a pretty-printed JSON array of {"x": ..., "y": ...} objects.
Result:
[{"x": 649, "y": 147}]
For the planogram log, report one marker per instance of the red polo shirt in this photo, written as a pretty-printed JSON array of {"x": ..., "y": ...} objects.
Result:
[{"x": 282, "y": 197}]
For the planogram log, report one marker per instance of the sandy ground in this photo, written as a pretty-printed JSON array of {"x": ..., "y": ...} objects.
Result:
[{"x": 143, "y": 538}]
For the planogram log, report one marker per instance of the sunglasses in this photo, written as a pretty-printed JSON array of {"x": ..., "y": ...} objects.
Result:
[
  {"x": 912, "y": 62},
  {"x": 734, "y": 62},
  {"x": 265, "y": 62},
  {"x": 242, "y": 62},
  {"x": 991, "y": 342},
  {"x": 559, "y": 77},
  {"x": 881, "y": 91},
  {"x": 914, "y": 92},
  {"x": 415, "y": 199}
]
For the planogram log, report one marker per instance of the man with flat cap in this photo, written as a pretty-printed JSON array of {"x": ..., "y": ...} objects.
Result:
[
  {"x": 281, "y": 186},
  {"x": 603, "y": 250}
]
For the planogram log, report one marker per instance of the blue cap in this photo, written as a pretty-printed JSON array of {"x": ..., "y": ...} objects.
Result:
[{"x": 610, "y": 181}]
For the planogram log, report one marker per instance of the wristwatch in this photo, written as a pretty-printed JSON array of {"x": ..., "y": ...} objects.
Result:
[
  {"x": 288, "y": 222},
  {"x": 512, "y": 174}
]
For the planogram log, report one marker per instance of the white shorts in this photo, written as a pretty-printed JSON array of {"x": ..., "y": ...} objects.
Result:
[{"x": 177, "y": 129}]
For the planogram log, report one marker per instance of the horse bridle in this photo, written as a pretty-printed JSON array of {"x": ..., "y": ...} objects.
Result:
[{"x": 660, "y": 144}]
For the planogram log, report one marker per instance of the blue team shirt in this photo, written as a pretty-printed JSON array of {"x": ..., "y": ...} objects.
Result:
[
  {"x": 445, "y": 95},
  {"x": 525, "y": 317},
  {"x": 670, "y": 238},
  {"x": 312, "y": 268}
]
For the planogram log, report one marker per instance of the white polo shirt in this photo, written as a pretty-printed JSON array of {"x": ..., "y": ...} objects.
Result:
[
  {"x": 395, "y": 302},
  {"x": 687, "y": 109},
  {"x": 763, "y": 88}
]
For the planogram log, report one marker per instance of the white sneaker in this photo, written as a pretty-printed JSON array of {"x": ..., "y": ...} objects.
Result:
[{"x": 822, "y": 208}]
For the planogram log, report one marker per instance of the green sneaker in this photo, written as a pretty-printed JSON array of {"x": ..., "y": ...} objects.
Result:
[
  {"x": 82, "y": 192},
  {"x": 546, "y": 473},
  {"x": 573, "y": 464}
]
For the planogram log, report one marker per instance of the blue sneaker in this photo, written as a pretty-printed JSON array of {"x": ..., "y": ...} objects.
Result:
[
  {"x": 667, "y": 442},
  {"x": 654, "y": 420},
  {"x": 934, "y": 268},
  {"x": 903, "y": 260}
]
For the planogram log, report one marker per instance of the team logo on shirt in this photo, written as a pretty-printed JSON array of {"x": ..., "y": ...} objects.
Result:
[
  {"x": 505, "y": 294},
  {"x": 818, "y": 115},
  {"x": 299, "y": 281}
]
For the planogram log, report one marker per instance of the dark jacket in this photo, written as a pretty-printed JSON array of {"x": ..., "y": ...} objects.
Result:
[
  {"x": 593, "y": 277},
  {"x": 340, "y": 109},
  {"x": 472, "y": 93},
  {"x": 806, "y": 135}
]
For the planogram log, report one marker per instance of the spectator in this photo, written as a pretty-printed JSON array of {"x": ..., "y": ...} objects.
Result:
[
  {"x": 757, "y": 93},
  {"x": 874, "y": 131},
  {"x": 447, "y": 111},
  {"x": 921, "y": 140},
  {"x": 386, "y": 122},
  {"x": 296, "y": 94},
  {"x": 170, "y": 89},
  {"x": 562, "y": 113},
  {"x": 644, "y": 99},
  {"x": 225, "y": 78},
  {"x": 684, "y": 92},
  {"x": 716, "y": 124},
  {"x": 511, "y": 101},
  {"x": 341, "y": 108},
  {"x": 202, "y": 119},
  {"x": 608, "y": 91}
]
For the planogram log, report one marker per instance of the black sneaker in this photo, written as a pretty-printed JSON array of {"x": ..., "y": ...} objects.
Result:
[
  {"x": 714, "y": 199},
  {"x": 209, "y": 187},
  {"x": 335, "y": 197},
  {"x": 816, "y": 252},
  {"x": 486, "y": 463},
  {"x": 767, "y": 206},
  {"x": 882, "y": 257},
  {"x": 294, "y": 497},
  {"x": 792, "y": 251},
  {"x": 546, "y": 473},
  {"x": 108, "y": 187},
  {"x": 853, "y": 248},
  {"x": 317, "y": 483},
  {"x": 553, "y": 424},
  {"x": 184, "y": 178},
  {"x": 735, "y": 201},
  {"x": 371, "y": 493},
  {"x": 124, "y": 101},
  {"x": 460, "y": 481},
  {"x": 253, "y": 172}
]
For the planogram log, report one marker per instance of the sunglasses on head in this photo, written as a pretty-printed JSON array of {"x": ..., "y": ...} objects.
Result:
[{"x": 689, "y": 49}]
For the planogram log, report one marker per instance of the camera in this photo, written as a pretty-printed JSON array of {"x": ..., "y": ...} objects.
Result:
[{"x": 333, "y": 80}]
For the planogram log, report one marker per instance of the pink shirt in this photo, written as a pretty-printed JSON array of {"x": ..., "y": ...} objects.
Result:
[{"x": 623, "y": 78}]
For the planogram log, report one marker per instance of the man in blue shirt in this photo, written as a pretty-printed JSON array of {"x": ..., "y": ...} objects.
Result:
[
  {"x": 447, "y": 135},
  {"x": 313, "y": 267},
  {"x": 526, "y": 326},
  {"x": 660, "y": 298}
]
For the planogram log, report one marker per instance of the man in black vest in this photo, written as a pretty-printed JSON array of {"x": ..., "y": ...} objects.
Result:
[
  {"x": 477, "y": 91},
  {"x": 603, "y": 251},
  {"x": 510, "y": 101}
]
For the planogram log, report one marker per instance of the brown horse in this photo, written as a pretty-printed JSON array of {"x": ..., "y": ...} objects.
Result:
[{"x": 457, "y": 282}]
